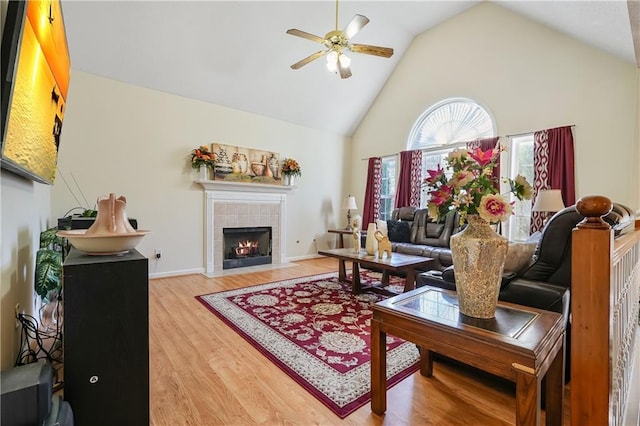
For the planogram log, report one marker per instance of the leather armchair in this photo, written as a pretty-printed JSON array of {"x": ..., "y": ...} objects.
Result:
[{"x": 546, "y": 283}]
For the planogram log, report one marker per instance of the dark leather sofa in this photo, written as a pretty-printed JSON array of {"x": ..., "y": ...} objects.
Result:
[{"x": 424, "y": 237}]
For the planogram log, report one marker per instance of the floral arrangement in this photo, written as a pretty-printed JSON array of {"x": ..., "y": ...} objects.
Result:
[
  {"x": 201, "y": 156},
  {"x": 290, "y": 167},
  {"x": 468, "y": 187}
]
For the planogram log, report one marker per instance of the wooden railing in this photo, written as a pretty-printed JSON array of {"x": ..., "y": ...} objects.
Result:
[{"x": 605, "y": 296}]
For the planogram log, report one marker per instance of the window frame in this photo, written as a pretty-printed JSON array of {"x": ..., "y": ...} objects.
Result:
[
  {"x": 509, "y": 163},
  {"x": 420, "y": 122},
  {"x": 393, "y": 185}
]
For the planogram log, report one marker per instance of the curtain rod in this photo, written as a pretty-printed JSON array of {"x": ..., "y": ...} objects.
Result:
[
  {"x": 381, "y": 156},
  {"x": 506, "y": 136},
  {"x": 527, "y": 133}
]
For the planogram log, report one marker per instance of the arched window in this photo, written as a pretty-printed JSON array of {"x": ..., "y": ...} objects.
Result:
[
  {"x": 449, "y": 121},
  {"x": 445, "y": 126}
]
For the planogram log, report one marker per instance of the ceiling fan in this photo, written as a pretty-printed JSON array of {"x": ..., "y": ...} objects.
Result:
[{"x": 337, "y": 42}]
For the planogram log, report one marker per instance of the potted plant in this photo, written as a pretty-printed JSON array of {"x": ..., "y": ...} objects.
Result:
[
  {"x": 290, "y": 169},
  {"x": 203, "y": 160},
  {"x": 469, "y": 186},
  {"x": 49, "y": 258}
]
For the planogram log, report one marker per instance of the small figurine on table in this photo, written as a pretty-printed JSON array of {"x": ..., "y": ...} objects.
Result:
[{"x": 357, "y": 245}]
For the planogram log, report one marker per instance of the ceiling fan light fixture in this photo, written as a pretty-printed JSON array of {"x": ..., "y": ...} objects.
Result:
[
  {"x": 332, "y": 61},
  {"x": 345, "y": 61}
]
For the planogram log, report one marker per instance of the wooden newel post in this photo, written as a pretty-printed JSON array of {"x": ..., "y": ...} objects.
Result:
[
  {"x": 593, "y": 208},
  {"x": 592, "y": 249}
]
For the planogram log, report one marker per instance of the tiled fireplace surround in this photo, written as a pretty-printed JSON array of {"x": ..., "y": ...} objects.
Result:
[{"x": 232, "y": 205}]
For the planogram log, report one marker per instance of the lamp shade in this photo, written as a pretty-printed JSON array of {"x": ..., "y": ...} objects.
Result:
[
  {"x": 350, "y": 203},
  {"x": 548, "y": 200}
]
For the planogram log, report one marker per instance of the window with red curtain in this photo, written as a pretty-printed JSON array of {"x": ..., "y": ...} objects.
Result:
[
  {"x": 553, "y": 161},
  {"x": 409, "y": 179},
  {"x": 371, "y": 208}
]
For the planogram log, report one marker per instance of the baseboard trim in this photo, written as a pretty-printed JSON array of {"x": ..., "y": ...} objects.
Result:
[{"x": 285, "y": 264}]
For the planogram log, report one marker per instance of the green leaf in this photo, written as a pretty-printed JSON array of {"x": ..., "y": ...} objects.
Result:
[{"x": 48, "y": 272}]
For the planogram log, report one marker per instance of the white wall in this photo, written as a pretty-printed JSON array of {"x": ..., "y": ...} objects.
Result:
[
  {"x": 531, "y": 78},
  {"x": 136, "y": 142},
  {"x": 24, "y": 213}
]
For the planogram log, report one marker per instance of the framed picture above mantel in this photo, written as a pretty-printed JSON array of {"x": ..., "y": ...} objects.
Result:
[{"x": 246, "y": 165}]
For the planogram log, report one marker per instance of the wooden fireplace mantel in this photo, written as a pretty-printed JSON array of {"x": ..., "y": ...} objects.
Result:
[{"x": 221, "y": 185}]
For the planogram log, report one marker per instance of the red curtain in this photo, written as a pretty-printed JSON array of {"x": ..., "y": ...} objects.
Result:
[
  {"x": 408, "y": 190},
  {"x": 485, "y": 145},
  {"x": 553, "y": 168},
  {"x": 561, "y": 168},
  {"x": 371, "y": 209}
]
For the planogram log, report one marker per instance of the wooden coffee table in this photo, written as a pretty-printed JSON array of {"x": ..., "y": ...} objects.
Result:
[
  {"x": 521, "y": 344},
  {"x": 397, "y": 264}
]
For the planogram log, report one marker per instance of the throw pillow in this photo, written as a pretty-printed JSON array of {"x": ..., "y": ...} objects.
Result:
[
  {"x": 398, "y": 231},
  {"x": 519, "y": 256}
]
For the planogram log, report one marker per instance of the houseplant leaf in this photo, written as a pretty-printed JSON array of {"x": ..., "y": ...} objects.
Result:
[{"x": 48, "y": 272}]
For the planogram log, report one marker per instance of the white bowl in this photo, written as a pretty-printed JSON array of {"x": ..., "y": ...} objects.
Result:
[{"x": 103, "y": 244}]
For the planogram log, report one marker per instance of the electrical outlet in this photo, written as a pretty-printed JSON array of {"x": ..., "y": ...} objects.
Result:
[{"x": 158, "y": 253}]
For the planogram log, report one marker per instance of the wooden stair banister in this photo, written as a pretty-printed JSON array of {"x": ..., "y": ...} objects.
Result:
[{"x": 605, "y": 294}]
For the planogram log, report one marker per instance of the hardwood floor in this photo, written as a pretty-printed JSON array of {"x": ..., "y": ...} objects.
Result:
[{"x": 203, "y": 373}]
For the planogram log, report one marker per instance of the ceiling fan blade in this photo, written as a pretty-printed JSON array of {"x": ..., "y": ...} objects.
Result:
[
  {"x": 385, "y": 52},
  {"x": 345, "y": 71},
  {"x": 355, "y": 25},
  {"x": 306, "y": 35},
  {"x": 308, "y": 59}
]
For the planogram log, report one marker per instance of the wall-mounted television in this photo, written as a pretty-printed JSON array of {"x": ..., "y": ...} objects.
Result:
[{"x": 35, "y": 81}]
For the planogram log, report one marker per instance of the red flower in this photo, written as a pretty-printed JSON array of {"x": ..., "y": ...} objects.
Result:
[
  {"x": 435, "y": 175},
  {"x": 440, "y": 195},
  {"x": 482, "y": 157}
]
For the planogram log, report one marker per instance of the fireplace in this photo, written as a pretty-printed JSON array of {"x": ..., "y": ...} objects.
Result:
[
  {"x": 236, "y": 204},
  {"x": 246, "y": 246}
]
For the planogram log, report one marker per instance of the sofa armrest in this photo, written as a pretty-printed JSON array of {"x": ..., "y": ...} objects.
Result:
[{"x": 538, "y": 294}]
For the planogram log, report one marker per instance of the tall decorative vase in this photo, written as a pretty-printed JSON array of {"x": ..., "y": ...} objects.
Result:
[
  {"x": 288, "y": 180},
  {"x": 478, "y": 254},
  {"x": 371, "y": 244}
]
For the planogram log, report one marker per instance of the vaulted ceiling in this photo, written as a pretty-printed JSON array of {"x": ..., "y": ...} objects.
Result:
[{"x": 237, "y": 53}]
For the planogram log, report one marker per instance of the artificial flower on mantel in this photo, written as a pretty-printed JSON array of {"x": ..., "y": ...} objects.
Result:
[
  {"x": 202, "y": 156},
  {"x": 203, "y": 160},
  {"x": 291, "y": 167},
  {"x": 467, "y": 185}
]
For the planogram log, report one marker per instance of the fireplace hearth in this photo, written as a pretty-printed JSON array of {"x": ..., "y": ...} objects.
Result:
[{"x": 246, "y": 246}]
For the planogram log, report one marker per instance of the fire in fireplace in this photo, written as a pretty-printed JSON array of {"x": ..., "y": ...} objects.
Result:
[{"x": 246, "y": 246}]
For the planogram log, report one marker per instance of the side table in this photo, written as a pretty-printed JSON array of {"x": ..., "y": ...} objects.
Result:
[
  {"x": 341, "y": 233},
  {"x": 521, "y": 344}
]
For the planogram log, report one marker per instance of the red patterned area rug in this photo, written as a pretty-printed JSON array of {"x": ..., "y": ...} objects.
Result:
[{"x": 318, "y": 332}]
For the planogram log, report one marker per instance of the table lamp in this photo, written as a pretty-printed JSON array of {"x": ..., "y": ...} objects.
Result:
[
  {"x": 548, "y": 200},
  {"x": 349, "y": 204}
]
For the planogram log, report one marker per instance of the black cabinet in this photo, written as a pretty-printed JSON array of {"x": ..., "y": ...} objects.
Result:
[{"x": 106, "y": 338}]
